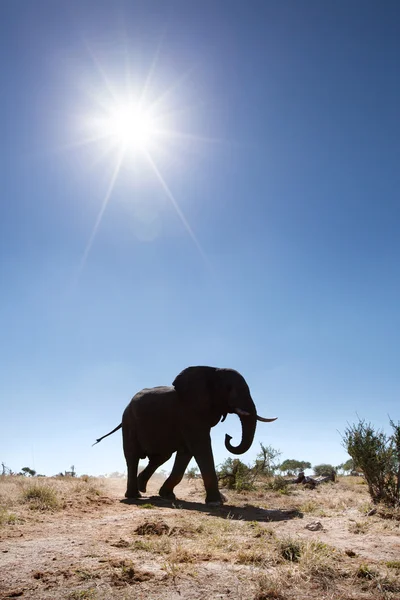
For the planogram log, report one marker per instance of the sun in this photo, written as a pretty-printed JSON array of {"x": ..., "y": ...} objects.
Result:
[{"x": 129, "y": 127}]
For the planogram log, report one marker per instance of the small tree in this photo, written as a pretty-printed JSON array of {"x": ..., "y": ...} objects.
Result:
[
  {"x": 378, "y": 456},
  {"x": 28, "y": 471},
  {"x": 266, "y": 460},
  {"x": 290, "y": 466},
  {"x": 6, "y": 470},
  {"x": 323, "y": 470}
]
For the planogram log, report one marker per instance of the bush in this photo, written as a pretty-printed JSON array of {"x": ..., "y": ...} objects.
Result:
[
  {"x": 378, "y": 456},
  {"x": 235, "y": 475},
  {"x": 278, "y": 484}
]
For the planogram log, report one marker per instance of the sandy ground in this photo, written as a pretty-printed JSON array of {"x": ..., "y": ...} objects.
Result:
[{"x": 95, "y": 550}]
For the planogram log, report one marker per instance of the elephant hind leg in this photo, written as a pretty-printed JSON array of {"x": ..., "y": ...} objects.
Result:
[
  {"x": 132, "y": 456},
  {"x": 155, "y": 461},
  {"x": 182, "y": 460}
]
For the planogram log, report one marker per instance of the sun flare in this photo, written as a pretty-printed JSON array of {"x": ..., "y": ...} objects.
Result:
[
  {"x": 135, "y": 129},
  {"x": 129, "y": 127}
]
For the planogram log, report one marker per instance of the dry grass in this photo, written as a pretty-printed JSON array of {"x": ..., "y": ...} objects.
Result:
[
  {"x": 124, "y": 551},
  {"x": 40, "y": 496},
  {"x": 359, "y": 527},
  {"x": 45, "y": 494}
]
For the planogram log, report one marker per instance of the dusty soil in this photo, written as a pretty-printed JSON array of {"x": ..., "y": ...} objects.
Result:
[{"x": 96, "y": 545}]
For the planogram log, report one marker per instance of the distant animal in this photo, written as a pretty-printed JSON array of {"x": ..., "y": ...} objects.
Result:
[{"x": 162, "y": 420}]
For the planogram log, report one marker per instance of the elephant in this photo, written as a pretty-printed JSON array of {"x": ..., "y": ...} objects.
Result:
[{"x": 162, "y": 420}]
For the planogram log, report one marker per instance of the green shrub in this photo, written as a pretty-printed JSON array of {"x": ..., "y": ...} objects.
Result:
[{"x": 378, "y": 456}]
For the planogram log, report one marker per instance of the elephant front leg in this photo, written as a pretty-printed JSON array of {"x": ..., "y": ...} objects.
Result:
[
  {"x": 182, "y": 460},
  {"x": 202, "y": 452}
]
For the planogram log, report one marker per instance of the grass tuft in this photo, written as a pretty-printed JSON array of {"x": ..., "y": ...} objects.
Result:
[
  {"x": 40, "y": 497},
  {"x": 290, "y": 549},
  {"x": 7, "y": 518},
  {"x": 359, "y": 527}
]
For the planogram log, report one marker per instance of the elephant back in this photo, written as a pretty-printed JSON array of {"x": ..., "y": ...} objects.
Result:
[{"x": 194, "y": 378}]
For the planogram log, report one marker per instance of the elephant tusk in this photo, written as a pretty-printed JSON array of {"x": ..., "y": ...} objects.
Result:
[
  {"x": 223, "y": 418},
  {"x": 264, "y": 420},
  {"x": 242, "y": 413}
]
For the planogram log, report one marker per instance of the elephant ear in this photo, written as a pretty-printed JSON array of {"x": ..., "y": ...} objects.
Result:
[{"x": 200, "y": 388}]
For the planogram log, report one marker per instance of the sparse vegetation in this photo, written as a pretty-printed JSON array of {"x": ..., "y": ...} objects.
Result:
[
  {"x": 278, "y": 484},
  {"x": 378, "y": 456},
  {"x": 233, "y": 474},
  {"x": 257, "y": 545},
  {"x": 358, "y": 527}
]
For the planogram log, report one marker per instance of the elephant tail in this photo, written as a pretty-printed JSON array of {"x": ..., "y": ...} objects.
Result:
[{"x": 113, "y": 431}]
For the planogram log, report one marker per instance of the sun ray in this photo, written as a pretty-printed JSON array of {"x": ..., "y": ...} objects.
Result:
[
  {"x": 100, "y": 70},
  {"x": 149, "y": 75},
  {"x": 162, "y": 97},
  {"x": 101, "y": 213},
  {"x": 177, "y": 208}
]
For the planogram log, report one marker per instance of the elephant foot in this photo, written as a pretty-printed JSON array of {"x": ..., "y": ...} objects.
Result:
[
  {"x": 132, "y": 495},
  {"x": 167, "y": 495},
  {"x": 215, "y": 502}
]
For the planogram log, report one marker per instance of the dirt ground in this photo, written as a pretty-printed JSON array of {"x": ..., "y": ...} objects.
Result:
[{"x": 94, "y": 544}]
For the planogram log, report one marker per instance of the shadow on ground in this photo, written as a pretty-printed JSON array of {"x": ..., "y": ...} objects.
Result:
[{"x": 227, "y": 511}]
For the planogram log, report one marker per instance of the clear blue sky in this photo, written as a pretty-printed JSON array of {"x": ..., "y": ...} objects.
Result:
[{"x": 285, "y": 265}]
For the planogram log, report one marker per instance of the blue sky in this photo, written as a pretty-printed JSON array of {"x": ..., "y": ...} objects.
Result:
[{"x": 270, "y": 244}]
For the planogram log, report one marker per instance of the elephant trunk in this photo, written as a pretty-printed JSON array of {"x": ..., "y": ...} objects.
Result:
[{"x": 248, "y": 421}]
